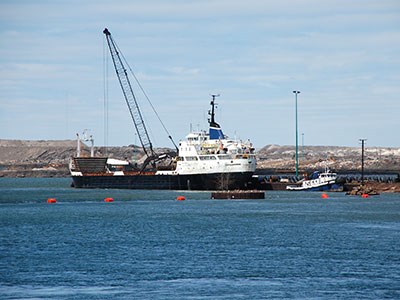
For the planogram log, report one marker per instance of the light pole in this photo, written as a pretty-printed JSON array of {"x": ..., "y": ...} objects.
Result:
[
  {"x": 302, "y": 147},
  {"x": 362, "y": 160},
  {"x": 297, "y": 136}
]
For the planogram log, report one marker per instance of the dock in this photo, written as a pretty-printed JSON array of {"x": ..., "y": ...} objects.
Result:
[{"x": 239, "y": 194}]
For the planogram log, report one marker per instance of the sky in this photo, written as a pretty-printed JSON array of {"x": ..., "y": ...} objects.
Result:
[{"x": 57, "y": 78}]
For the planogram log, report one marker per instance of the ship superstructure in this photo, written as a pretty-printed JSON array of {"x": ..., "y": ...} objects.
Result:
[{"x": 213, "y": 152}]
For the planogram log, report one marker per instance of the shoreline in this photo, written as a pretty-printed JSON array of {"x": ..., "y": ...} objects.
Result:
[
  {"x": 379, "y": 187},
  {"x": 50, "y": 159}
]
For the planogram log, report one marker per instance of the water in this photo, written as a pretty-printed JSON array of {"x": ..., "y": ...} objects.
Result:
[{"x": 147, "y": 245}]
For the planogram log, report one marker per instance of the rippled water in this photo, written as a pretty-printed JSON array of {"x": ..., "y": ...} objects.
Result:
[{"x": 147, "y": 245}]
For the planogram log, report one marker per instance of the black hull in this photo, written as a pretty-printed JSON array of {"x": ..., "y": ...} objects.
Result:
[{"x": 217, "y": 181}]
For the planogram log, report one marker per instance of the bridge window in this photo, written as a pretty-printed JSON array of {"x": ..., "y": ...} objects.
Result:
[
  {"x": 191, "y": 158},
  {"x": 207, "y": 157}
]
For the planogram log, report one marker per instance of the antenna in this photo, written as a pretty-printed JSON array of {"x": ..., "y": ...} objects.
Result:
[
  {"x": 78, "y": 145},
  {"x": 214, "y": 96},
  {"x": 90, "y": 139}
]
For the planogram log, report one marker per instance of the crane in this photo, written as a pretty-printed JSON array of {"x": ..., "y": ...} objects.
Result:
[
  {"x": 133, "y": 106},
  {"x": 129, "y": 96}
]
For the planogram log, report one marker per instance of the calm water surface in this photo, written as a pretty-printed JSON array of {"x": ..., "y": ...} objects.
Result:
[{"x": 147, "y": 245}]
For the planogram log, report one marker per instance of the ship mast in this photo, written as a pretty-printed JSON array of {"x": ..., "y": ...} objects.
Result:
[
  {"x": 215, "y": 130},
  {"x": 212, "y": 112}
]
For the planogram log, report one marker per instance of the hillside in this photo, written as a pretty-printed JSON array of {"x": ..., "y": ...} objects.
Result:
[
  {"x": 50, "y": 158},
  {"x": 340, "y": 159}
]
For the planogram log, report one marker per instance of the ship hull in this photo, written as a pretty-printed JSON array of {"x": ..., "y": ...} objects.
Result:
[
  {"x": 319, "y": 188},
  {"x": 215, "y": 181}
]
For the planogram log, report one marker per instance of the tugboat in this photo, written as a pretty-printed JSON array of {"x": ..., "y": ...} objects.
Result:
[
  {"x": 318, "y": 182},
  {"x": 205, "y": 160}
]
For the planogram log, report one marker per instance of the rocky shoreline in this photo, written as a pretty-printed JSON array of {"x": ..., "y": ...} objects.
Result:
[{"x": 374, "y": 188}]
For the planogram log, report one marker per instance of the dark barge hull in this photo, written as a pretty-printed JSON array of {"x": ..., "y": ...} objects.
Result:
[{"x": 215, "y": 181}]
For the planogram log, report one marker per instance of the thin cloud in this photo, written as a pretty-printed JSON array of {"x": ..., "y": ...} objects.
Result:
[{"x": 342, "y": 55}]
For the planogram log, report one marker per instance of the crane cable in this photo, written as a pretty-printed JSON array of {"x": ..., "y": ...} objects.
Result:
[{"x": 145, "y": 94}]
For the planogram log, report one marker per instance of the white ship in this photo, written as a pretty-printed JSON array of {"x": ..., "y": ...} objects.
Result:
[{"x": 205, "y": 161}]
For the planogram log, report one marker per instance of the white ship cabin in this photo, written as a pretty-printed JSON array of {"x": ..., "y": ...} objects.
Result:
[{"x": 198, "y": 145}]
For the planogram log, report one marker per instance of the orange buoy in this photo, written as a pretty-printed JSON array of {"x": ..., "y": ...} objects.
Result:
[
  {"x": 324, "y": 196},
  {"x": 51, "y": 200},
  {"x": 109, "y": 199},
  {"x": 180, "y": 198},
  {"x": 364, "y": 195}
]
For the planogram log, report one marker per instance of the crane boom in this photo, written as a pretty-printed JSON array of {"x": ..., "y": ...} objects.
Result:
[{"x": 129, "y": 96}]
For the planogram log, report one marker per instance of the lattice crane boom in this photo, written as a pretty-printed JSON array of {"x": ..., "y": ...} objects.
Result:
[{"x": 129, "y": 96}]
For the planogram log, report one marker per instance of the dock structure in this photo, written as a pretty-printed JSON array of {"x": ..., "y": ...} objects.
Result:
[{"x": 239, "y": 194}]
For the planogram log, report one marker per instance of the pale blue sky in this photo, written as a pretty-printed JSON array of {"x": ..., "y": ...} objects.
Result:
[{"x": 344, "y": 57}]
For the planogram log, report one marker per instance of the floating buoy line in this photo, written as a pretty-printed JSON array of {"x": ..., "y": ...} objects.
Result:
[
  {"x": 110, "y": 199},
  {"x": 54, "y": 200}
]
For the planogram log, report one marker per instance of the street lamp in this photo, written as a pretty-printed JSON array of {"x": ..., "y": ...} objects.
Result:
[
  {"x": 297, "y": 137},
  {"x": 362, "y": 160}
]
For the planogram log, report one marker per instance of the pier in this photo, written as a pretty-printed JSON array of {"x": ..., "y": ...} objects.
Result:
[{"x": 238, "y": 195}]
